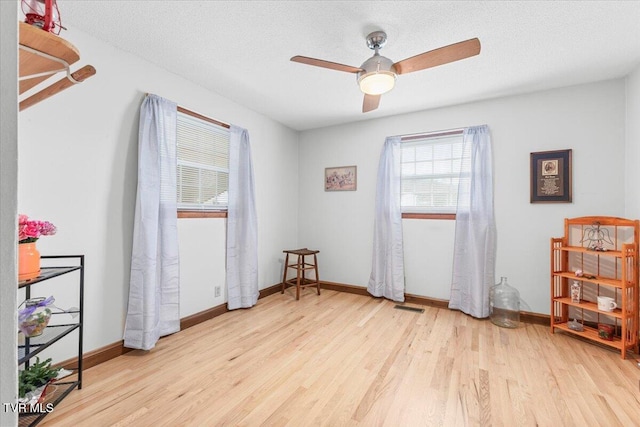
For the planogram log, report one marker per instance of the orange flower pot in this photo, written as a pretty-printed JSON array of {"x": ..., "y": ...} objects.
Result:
[{"x": 28, "y": 261}]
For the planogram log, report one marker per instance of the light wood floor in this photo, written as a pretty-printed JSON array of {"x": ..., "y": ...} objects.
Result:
[{"x": 349, "y": 360}]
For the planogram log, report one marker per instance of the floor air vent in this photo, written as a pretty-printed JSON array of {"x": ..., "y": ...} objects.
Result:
[{"x": 404, "y": 307}]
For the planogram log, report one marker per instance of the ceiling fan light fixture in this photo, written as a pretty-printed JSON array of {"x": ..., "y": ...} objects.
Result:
[
  {"x": 378, "y": 75},
  {"x": 377, "y": 82}
]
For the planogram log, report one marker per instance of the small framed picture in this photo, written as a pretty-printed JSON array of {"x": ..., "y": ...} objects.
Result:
[
  {"x": 341, "y": 178},
  {"x": 551, "y": 177}
]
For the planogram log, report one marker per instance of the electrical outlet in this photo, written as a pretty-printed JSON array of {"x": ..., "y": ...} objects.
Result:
[{"x": 217, "y": 291}]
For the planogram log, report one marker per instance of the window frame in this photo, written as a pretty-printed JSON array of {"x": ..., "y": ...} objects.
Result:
[
  {"x": 429, "y": 215},
  {"x": 194, "y": 213},
  {"x": 419, "y": 215}
]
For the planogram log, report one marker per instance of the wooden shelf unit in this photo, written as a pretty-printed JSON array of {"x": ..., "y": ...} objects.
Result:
[
  {"x": 42, "y": 55},
  {"x": 613, "y": 272}
]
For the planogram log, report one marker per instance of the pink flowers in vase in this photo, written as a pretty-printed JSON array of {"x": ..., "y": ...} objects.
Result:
[{"x": 30, "y": 230}]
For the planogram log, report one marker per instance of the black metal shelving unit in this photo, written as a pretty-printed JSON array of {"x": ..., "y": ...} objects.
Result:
[{"x": 54, "y": 333}]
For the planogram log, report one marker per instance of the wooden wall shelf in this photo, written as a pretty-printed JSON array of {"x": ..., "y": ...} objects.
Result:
[{"x": 43, "y": 55}]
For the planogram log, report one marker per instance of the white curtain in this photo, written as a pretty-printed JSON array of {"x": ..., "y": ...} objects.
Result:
[
  {"x": 154, "y": 289},
  {"x": 242, "y": 225},
  {"x": 475, "y": 241},
  {"x": 387, "y": 270}
]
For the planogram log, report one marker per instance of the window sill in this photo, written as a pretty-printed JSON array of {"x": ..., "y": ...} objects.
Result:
[
  {"x": 202, "y": 214},
  {"x": 408, "y": 215}
]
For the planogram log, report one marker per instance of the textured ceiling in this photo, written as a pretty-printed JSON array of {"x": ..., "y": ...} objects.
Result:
[{"x": 241, "y": 50}]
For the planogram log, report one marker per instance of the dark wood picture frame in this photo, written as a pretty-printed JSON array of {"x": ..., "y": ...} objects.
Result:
[{"x": 551, "y": 177}]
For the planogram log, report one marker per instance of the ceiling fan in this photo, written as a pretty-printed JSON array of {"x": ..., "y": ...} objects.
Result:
[{"x": 377, "y": 75}]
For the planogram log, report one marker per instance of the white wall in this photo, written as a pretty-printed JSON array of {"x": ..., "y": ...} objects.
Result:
[
  {"x": 588, "y": 119},
  {"x": 78, "y": 159},
  {"x": 632, "y": 175},
  {"x": 77, "y": 169},
  {"x": 8, "y": 208}
]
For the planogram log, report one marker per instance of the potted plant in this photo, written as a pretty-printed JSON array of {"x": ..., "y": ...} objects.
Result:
[{"x": 33, "y": 379}]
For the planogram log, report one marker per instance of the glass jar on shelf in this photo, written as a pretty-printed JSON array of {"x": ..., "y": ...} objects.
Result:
[
  {"x": 35, "y": 316},
  {"x": 576, "y": 289}
]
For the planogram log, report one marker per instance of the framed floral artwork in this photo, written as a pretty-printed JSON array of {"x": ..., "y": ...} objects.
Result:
[{"x": 341, "y": 178}]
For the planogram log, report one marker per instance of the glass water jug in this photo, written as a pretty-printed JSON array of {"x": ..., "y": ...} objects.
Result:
[{"x": 504, "y": 305}]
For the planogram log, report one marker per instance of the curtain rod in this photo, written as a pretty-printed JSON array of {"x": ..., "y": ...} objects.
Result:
[
  {"x": 200, "y": 116},
  {"x": 205, "y": 118},
  {"x": 421, "y": 135}
]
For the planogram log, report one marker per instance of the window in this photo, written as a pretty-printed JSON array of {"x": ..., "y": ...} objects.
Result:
[
  {"x": 203, "y": 163},
  {"x": 431, "y": 169}
]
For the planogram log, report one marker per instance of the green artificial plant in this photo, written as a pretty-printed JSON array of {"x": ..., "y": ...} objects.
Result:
[{"x": 36, "y": 375}]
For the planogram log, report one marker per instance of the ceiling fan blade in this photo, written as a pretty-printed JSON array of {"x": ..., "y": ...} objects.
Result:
[
  {"x": 440, "y": 56},
  {"x": 370, "y": 102},
  {"x": 325, "y": 64}
]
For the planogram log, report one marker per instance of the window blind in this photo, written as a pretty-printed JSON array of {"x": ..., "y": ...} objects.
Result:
[
  {"x": 203, "y": 164},
  {"x": 431, "y": 170}
]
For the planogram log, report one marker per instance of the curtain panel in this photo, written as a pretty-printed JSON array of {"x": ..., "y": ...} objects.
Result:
[
  {"x": 242, "y": 224},
  {"x": 387, "y": 270},
  {"x": 154, "y": 290},
  {"x": 475, "y": 236}
]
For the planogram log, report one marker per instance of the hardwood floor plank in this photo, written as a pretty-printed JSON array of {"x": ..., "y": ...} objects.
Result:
[{"x": 351, "y": 360}]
